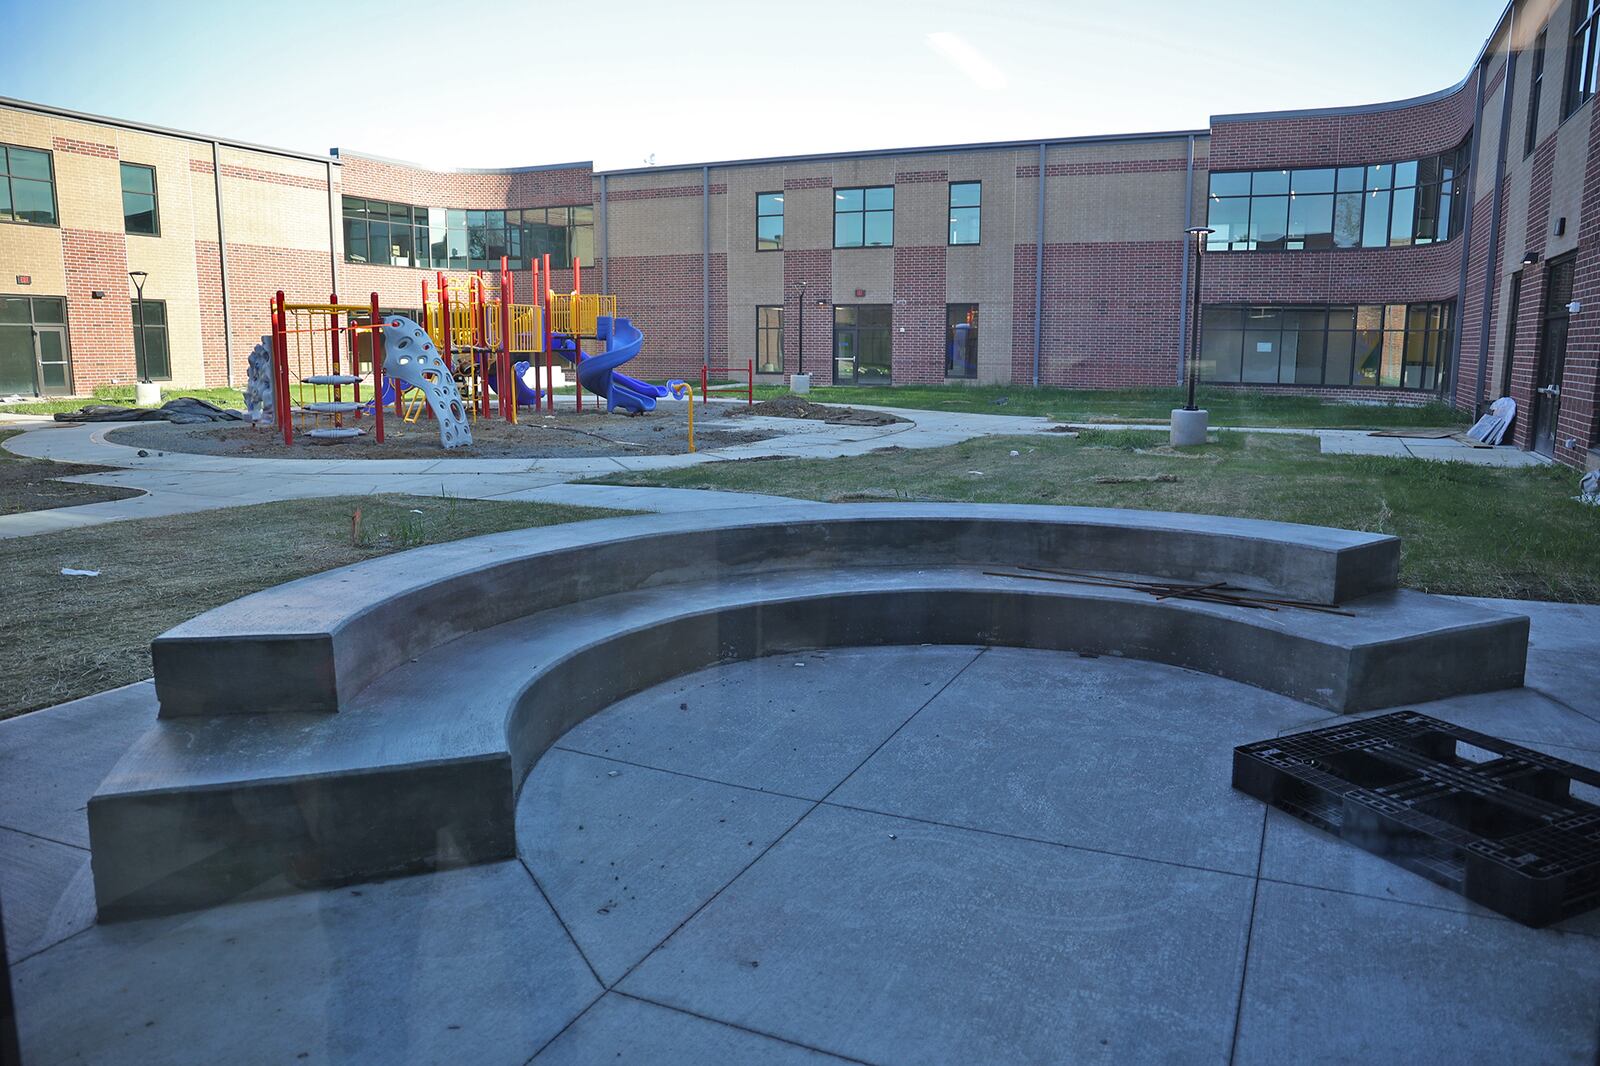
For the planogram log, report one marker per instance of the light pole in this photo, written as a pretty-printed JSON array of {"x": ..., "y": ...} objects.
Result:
[
  {"x": 141, "y": 369},
  {"x": 800, "y": 381},
  {"x": 145, "y": 392},
  {"x": 1189, "y": 422}
]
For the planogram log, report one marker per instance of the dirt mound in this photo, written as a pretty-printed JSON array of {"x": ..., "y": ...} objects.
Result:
[{"x": 795, "y": 407}]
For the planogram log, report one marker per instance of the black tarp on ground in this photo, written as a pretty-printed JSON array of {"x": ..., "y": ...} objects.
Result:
[{"x": 184, "y": 411}]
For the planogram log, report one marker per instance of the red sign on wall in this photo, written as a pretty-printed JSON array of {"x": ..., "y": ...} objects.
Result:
[{"x": 24, "y": 279}]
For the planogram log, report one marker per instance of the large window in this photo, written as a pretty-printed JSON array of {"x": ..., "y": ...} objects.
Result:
[
  {"x": 961, "y": 341},
  {"x": 436, "y": 238},
  {"x": 27, "y": 186},
  {"x": 1530, "y": 136},
  {"x": 769, "y": 340},
  {"x": 966, "y": 210},
  {"x": 157, "y": 359},
  {"x": 1581, "y": 55},
  {"x": 139, "y": 200},
  {"x": 1394, "y": 346},
  {"x": 769, "y": 222},
  {"x": 863, "y": 344},
  {"x": 1385, "y": 205},
  {"x": 863, "y": 218}
]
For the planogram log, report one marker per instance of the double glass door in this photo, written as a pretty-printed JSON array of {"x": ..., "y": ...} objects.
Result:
[
  {"x": 862, "y": 343},
  {"x": 34, "y": 359}
]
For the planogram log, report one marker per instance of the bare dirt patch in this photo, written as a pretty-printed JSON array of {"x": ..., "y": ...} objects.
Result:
[
  {"x": 29, "y": 485},
  {"x": 795, "y": 407},
  {"x": 541, "y": 435}
]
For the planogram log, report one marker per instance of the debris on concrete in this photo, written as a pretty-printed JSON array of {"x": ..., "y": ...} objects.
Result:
[{"x": 1491, "y": 428}]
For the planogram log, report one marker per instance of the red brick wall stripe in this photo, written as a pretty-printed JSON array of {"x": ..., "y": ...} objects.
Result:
[
  {"x": 670, "y": 192},
  {"x": 101, "y": 151}
]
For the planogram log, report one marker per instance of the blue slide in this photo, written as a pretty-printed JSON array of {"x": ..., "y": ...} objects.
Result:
[{"x": 598, "y": 372}]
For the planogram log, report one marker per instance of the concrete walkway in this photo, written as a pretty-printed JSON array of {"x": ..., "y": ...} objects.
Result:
[
  {"x": 179, "y": 483},
  {"x": 930, "y": 855}
]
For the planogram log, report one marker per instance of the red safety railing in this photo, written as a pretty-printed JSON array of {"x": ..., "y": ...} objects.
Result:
[{"x": 749, "y": 370}]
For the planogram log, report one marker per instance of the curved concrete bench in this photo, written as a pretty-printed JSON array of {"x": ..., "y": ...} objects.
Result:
[
  {"x": 311, "y": 644},
  {"x": 420, "y": 766}
]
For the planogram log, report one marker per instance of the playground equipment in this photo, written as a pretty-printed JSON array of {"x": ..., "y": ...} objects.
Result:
[
  {"x": 683, "y": 390},
  {"x": 480, "y": 330},
  {"x": 308, "y": 374}
]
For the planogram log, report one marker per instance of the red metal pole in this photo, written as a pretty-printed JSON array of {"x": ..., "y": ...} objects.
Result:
[
  {"x": 376, "y": 346},
  {"x": 705, "y": 380},
  {"x": 549, "y": 357},
  {"x": 280, "y": 391},
  {"x": 750, "y": 392},
  {"x": 508, "y": 386},
  {"x": 480, "y": 348},
  {"x": 333, "y": 354}
]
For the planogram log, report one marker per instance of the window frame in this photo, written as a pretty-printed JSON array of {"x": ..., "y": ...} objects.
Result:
[
  {"x": 1580, "y": 72},
  {"x": 1530, "y": 133},
  {"x": 10, "y": 215},
  {"x": 503, "y": 228},
  {"x": 154, "y": 194},
  {"x": 763, "y": 330},
  {"x": 781, "y": 215},
  {"x": 1422, "y": 194},
  {"x": 949, "y": 338},
  {"x": 951, "y": 208},
  {"x": 1439, "y": 325},
  {"x": 139, "y": 311},
  {"x": 864, "y": 211}
]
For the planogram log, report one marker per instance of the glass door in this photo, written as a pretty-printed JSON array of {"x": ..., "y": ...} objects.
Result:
[
  {"x": 1552, "y": 356},
  {"x": 862, "y": 344},
  {"x": 51, "y": 342}
]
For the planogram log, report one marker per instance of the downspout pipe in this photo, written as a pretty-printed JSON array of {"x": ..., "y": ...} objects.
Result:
[
  {"x": 1491, "y": 267},
  {"x": 705, "y": 262},
  {"x": 1038, "y": 273},
  {"x": 222, "y": 267},
  {"x": 333, "y": 229},
  {"x": 1183, "y": 291},
  {"x": 1466, "y": 231},
  {"x": 605, "y": 239}
]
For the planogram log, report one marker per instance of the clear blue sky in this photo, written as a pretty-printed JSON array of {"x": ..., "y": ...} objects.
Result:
[{"x": 503, "y": 83}]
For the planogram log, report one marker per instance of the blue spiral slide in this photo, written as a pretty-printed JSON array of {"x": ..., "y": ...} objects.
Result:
[{"x": 599, "y": 374}]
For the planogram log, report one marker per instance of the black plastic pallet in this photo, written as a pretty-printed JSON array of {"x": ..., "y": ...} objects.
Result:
[{"x": 1494, "y": 822}]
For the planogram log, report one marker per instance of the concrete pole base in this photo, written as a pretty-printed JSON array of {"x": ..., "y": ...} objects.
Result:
[
  {"x": 800, "y": 383},
  {"x": 146, "y": 394},
  {"x": 1188, "y": 428}
]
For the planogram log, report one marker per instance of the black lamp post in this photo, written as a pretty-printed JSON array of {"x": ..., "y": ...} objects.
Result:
[
  {"x": 802, "y": 369},
  {"x": 141, "y": 364},
  {"x": 1192, "y": 367}
]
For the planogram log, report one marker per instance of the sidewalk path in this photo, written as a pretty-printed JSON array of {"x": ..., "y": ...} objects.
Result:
[{"x": 179, "y": 482}]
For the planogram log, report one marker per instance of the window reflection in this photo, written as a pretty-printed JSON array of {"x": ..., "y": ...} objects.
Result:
[
  {"x": 1384, "y": 205},
  {"x": 1371, "y": 345}
]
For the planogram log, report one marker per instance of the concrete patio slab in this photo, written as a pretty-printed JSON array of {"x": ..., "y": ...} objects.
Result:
[
  {"x": 1335, "y": 977},
  {"x": 1122, "y": 756},
  {"x": 466, "y": 966},
  {"x": 47, "y": 890},
  {"x": 623, "y": 1028},
  {"x": 897, "y": 941},
  {"x": 46, "y": 797},
  {"x": 626, "y": 854},
  {"x": 796, "y": 725}
]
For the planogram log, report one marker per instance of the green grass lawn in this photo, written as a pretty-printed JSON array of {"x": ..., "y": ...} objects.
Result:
[
  {"x": 1470, "y": 530},
  {"x": 67, "y": 637},
  {"x": 1230, "y": 407}
]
